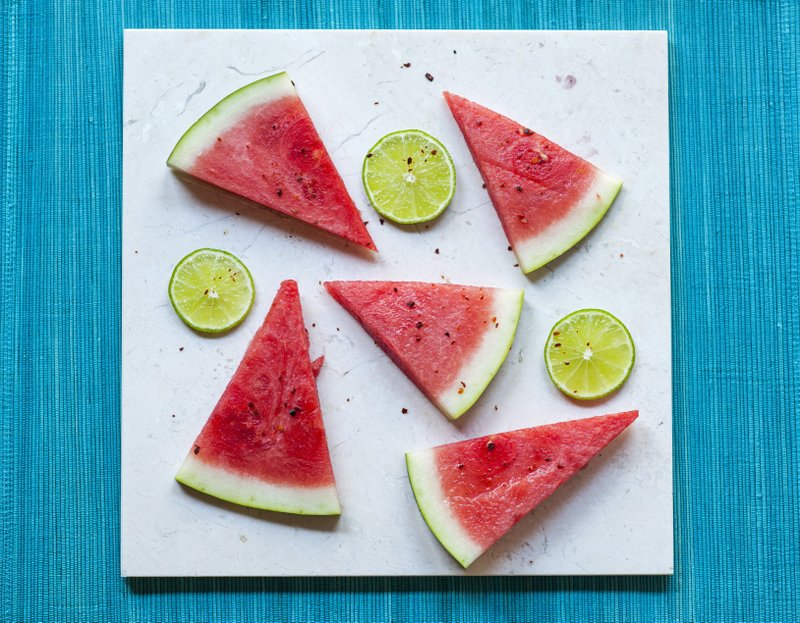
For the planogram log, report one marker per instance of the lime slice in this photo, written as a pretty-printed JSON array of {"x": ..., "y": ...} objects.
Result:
[
  {"x": 409, "y": 177},
  {"x": 589, "y": 354},
  {"x": 211, "y": 290}
]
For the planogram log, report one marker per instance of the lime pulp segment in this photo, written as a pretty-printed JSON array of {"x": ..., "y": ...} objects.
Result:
[
  {"x": 211, "y": 290},
  {"x": 589, "y": 354},
  {"x": 409, "y": 177}
]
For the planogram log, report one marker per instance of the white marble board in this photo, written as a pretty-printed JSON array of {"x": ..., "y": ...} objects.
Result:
[{"x": 600, "y": 94}]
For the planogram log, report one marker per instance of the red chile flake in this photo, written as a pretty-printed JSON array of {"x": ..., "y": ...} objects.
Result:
[
  {"x": 429, "y": 77},
  {"x": 490, "y": 446},
  {"x": 406, "y": 65},
  {"x": 369, "y": 155},
  {"x": 404, "y": 410},
  {"x": 197, "y": 449},
  {"x": 433, "y": 152},
  {"x": 181, "y": 349},
  {"x": 436, "y": 251}
]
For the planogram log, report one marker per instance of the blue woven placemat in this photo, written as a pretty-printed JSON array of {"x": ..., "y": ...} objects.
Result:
[{"x": 735, "y": 124}]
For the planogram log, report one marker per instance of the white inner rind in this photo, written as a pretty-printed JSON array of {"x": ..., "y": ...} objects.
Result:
[
  {"x": 426, "y": 484},
  {"x": 227, "y": 113},
  {"x": 255, "y": 493},
  {"x": 562, "y": 235},
  {"x": 480, "y": 369}
]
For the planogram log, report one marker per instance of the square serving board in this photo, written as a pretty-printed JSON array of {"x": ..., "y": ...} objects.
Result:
[{"x": 602, "y": 95}]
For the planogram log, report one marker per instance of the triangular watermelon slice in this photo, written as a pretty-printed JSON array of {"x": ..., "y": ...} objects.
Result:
[
  {"x": 259, "y": 142},
  {"x": 450, "y": 340},
  {"x": 547, "y": 198},
  {"x": 470, "y": 493},
  {"x": 264, "y": 444}
]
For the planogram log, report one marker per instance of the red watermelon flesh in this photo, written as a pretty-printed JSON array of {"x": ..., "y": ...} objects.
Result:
[
  {"x": 472, "y": 492},
  {"x": 546, "y": 197},
  {"x": 264, "y": 444},
  {"x": 260, "y": 143},
  {"x": 450, "y": 340}
]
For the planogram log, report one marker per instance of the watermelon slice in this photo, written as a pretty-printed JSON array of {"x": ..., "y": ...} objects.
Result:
[
  {"x": 547, "y": 198},
  {"x": 316, "y": 365},
  {"x": 264, "y": 444},
  {"x": 259, "y": 142},
  {"x": 450, "y": 340},
  {"x": 470, "y": 493}
]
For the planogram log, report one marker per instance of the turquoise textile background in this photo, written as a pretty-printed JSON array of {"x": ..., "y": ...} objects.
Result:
[{"x": 735, "y": 123}]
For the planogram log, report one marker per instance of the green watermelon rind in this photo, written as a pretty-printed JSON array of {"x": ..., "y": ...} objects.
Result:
[
  {"x": 225, "y": 114},
  {"x": 256, "y": 493},
  {"x": 480, "y": 370},
  {"x": 423, "y": 475},
  {"x": 560, "y": 237}
]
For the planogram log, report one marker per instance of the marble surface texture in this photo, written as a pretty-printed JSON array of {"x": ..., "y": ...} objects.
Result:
[{"x": 602, "y": 95}]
